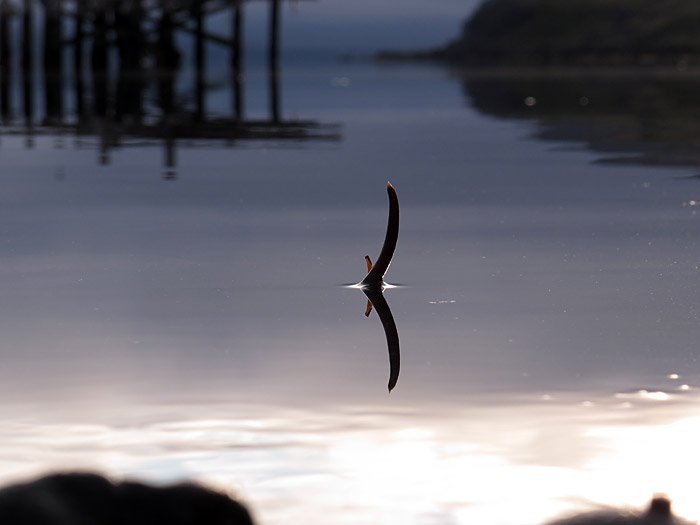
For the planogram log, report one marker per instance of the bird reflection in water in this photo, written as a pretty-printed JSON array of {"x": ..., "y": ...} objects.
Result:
[
  {"x": 373, "y": 286},
  {"x": 376, "y": 298}
]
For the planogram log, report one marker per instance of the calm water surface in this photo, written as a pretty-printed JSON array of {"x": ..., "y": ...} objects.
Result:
[{"x": 199, "y": 327}]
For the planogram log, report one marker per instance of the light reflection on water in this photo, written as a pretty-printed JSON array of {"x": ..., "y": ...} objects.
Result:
[
  {"x": 196, "y": 327},
  {"x": 379, "y": 463}
]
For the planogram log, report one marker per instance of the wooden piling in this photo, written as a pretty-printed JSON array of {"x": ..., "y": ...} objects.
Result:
[
  {"x": 273, "y": 60},
  {"x": 28, "y": 60},
  {"x": 167, "y": 59},
  {"x": 170, "y": 172},
  {"x": 79, "y": 37},
  {"x": 199, "y": 57},
  {"x": 53, "y": 78},
  {"x": 237, "y": 59},
  {"x": 130, "y": 47},
  {"x": 5, "y": 61},
  {"x": 99, "y": 61}
]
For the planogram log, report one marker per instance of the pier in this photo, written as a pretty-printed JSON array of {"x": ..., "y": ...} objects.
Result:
[{"x": 108, "y": 69}]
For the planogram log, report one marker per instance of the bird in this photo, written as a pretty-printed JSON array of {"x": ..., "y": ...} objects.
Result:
[
  {"x": 375, "y": 272},
  {"x": 373, "y": 286}
]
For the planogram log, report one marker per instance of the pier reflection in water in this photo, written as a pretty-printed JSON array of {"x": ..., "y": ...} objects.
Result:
[{"x": 128, "y": 91}]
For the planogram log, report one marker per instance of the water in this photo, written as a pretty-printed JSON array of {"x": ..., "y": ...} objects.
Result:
[{"x": 198, "y": 327}]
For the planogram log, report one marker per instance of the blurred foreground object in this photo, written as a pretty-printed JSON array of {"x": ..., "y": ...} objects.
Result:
[
  {"x": 657, "y": 513},
  {"x": 89, "y": 499}
]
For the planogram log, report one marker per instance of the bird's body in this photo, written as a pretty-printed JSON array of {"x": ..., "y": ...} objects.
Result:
[{"x": 376, "y": 271}]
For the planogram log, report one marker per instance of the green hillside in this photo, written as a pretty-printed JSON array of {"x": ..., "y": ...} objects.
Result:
[{"x": 579, "y": 32}]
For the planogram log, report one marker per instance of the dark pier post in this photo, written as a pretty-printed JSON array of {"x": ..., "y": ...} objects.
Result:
[
  {"x": 53, "y": 81},
  {"x": 98, "y": 60},
  {"x": 199, "y": 65},
  {"x": 130, "y": 44},
  {"x": 237, "y": 60},
  {"x": 273, "y": 60},
  {"x": 167, "y": 59},
  {"x": 78, "y": 56},
  {"x": 5, "y": 60},
  {"x": 28, "y": 62},
  {"x": 170, "y": 173}
]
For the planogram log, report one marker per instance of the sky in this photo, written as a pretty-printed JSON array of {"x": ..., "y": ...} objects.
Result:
[{"x": 360, "y": 27}]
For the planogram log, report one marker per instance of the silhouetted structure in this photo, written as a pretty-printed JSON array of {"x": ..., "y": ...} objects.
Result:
[
  {"x": 373, "y": 287},
  {"x": 131, "y": 45},
  {"x": 75, "y": 499}
]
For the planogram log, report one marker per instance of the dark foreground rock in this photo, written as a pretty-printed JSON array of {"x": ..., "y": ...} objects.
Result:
[
  {"x": 657, "y": 513},
  {"x": 89, "y": 499}
]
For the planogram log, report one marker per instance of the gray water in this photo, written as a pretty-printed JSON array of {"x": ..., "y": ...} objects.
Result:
[{"x": 199, "y": 327}]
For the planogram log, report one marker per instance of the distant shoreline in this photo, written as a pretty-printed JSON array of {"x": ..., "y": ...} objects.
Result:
[
  {"x": 574, "y": 70},
  {"x": 587, "y": 34}
]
